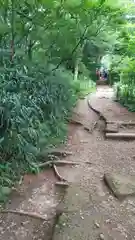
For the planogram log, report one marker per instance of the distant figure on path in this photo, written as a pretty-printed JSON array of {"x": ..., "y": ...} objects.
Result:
[
  {"x": 98, "y": 74},
  {"x": 105, "y": 75}
]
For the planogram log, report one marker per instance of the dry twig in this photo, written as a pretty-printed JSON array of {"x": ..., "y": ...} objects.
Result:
[{"x": 32, "y": 215}]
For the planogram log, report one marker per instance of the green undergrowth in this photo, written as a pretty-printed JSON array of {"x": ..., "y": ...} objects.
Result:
[
  {"x": 34, "y": 109},
  {"x": 84, "y": 86},
  {"x": 125, "y": 92}
]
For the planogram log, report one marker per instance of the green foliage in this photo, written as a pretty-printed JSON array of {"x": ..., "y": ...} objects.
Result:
[
  {"x": 34, "y": 110},
  {"x": 44, "y": 45},
  {"x": 124, "y": 68},
  {"x": 126, "y": 86},
  {"x": 84, "y": 86},
  {"x": 122, "y": 60},
  {"x": 33, "y": 115}
]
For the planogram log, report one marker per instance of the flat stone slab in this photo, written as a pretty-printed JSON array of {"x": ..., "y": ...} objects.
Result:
[
  {"x": 112, "y": 128},
  {"x": 121, "y": 186}
]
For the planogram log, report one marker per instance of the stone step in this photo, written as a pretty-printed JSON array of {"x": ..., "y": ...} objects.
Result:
[
  {"x": 112, "y": 128},
  {"x": 102, "y": 82}
]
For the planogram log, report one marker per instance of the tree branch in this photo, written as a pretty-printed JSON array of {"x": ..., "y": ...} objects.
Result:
[{"x": 73, "y": 51}]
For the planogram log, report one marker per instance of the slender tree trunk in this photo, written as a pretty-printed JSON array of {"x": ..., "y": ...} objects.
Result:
[
  {"x": 12, "y": 30},
  {"x": 110, "y": 77},
  {"x": 99, "y": 59},
  {"x": 76, "y": 69},
  {"x": 30, "y": 50}
]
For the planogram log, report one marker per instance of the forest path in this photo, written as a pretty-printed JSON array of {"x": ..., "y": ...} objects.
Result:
[{"x": 89, "y": 209}]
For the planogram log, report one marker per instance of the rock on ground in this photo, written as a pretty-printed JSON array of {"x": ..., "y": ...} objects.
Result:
[{"x": 121, "y": 186}]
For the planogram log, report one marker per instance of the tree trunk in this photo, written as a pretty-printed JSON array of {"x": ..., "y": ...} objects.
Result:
[
  {"x": 30, "y": 50},
  {"x": 12, "y": 30},
  {"x": 76, "y": 69}
]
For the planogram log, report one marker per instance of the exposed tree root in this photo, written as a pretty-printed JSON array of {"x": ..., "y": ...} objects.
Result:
[
  {"x": 21, "y": 180},
  {"x": 101, "y": 116},
  {"x": 54, "y": 154},
  {"x": 76, "y": 122},
  {"x": 57, "y": 174},
  {"x": 59, "y": 153},
  {"x": 62, "y": 184},
  {"x": 57, "y": 162},
  {"x": 122, "y": 126},
  {"x": 90, "y": 130},
  {"x": 87, "y": 129},
  {"x": 94, "y": 125},
  {"x": 32, "y": 215}
]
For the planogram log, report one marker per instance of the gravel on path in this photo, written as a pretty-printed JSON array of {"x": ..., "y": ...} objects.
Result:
[{"x": 90, "y": 211}]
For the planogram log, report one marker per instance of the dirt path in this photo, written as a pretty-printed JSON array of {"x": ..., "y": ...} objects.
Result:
[{"x": 90, "y": 211}]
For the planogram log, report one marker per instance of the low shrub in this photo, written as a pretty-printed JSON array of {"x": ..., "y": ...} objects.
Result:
[
  {"x": 34, "y": 107},
  {"x": 125, "y": 88},
  {"x": 83, "y": 86}
]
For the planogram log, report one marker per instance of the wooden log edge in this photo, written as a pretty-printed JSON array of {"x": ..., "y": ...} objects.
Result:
[
  {"x": 120, "y": 136},
  {"x": 121, "y": 123}
]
